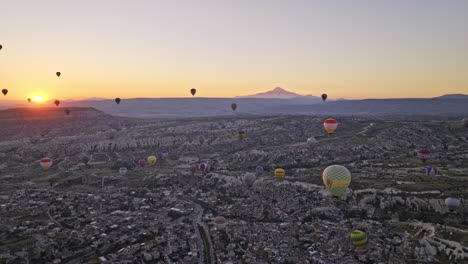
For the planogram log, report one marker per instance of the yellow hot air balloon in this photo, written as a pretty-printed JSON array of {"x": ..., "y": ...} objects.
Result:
[
  {"x": 279, "y": 174},
  {"x": 152, "y": 160},
  {"x": 359, "y": 238},
  {"x": 336, "y": 178}
]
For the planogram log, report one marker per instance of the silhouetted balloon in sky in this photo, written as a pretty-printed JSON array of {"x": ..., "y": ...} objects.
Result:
[
  {"x": 193, "y": 91},
  {"x": 117, "y": 100},
  {"x": 57, "y": 102},
  {"x": 67, "y": 111},
  {"x": 29, "y": 100},
  {"x": 58, "y": 74},
  {"x": 324, "y": 97},
  {"x": 234, "y": 106},
  {"x": 1, "y": 47},
  {"x": 4, "y": 91}
]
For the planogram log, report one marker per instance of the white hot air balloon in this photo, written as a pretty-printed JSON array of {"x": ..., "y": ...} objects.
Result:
[{"x": 123, "y": 171}]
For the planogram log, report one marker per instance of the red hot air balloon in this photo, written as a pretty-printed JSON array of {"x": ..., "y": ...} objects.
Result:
[
  {"x": 424, "y": 155},
  {"x": 4, "y": 91},
  {"x": 142, "y": 163},
  {"x": 57, "y": 102},
  {"x": 193, "y": 169},
  {"x": 67, "y": 111},
  {"x": 330, "y": 125}
]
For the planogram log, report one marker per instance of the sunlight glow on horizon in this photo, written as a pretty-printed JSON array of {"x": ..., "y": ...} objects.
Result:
[
  {"x": 38, "y": 98},
  {"x": 158, "y": 49}
]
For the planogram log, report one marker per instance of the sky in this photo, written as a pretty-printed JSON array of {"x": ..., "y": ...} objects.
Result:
[{"x": 225, "y": 48}]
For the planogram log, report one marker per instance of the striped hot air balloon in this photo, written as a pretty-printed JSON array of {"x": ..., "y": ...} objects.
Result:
[
  {"x": 358, "y": 238},
  {"x": 279, "y": 174},
  {"x": 431, "y": 171},
  {"x": 330, "y": 125},
  {"x": 336, "y": 178},
  {"x": 46, "y": 163}
]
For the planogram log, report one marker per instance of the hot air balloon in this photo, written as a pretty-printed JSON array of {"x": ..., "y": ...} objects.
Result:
[
  {"x": 358, "y": 238},
  {"x": 452, "y": 203},
  {"x": 67, "y": 111},
  {"x": 424, "y": 154},
  {"x": 279, "y": 174},
  {"x": 249, "y": 179},
  {"x": 336, "y": 178},
  {"x": 312, "y": 141},
  {"x": 431, "y": 171},
  {"x": 152, "y": 160},
  {"x": 164, "y": 153},
  {"x": 1, "y": 47},
  {"x": 4, "y": 91},
  {"x": 46, "y": 163},
  {"x": 259, "y": 169},
  {"x": 330, "y": 125},
  {"x": 142, "y": 163},
  {"x": 234, "y": 106},
  {"x": 324, "y": 97},
  {"x": 193, "y": 169},
  {"x": 85, "y": 160},
  {"x": 465, "y": 122},
  {"x": 193, "y": 91},
  {"x": 29, "y": 100},
  {"x": 58, "y": 74},
  {"x": 117, "y": 100},
  {"x": 203, "y": 167},
  {"x": 123, "y": 171},
  {"x": 241, "y": 135},
  {"x": 57, "y": 102},
  {"x": 220, "y": 223}
]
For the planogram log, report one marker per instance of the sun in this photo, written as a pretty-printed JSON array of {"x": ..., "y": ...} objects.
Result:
[{"x": 38, "y": 98}]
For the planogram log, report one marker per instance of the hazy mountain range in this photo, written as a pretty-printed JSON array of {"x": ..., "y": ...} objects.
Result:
[{"x": 276, "y": 101}]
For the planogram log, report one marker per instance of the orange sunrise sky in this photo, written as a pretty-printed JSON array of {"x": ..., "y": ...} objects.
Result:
[{"x": 347, "y": 49}]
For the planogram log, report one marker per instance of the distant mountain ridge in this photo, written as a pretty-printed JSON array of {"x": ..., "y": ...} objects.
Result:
[
  {"x": 277, "y": 93},
  {"x": 453, "y": 96}
]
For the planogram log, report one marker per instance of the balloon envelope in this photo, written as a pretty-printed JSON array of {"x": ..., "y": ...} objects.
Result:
[
  {"x": 142, "y": 163},
  {"x": 431, "y": 171},
  {"x": 123, "y": 171},
  {"x": 234, "y": 107},
  {"x": 358, "y": 238},
  {"x": 1, "y": 47},
  {"x": 452, "y": 203},
  {"x": 29, "y": 100},
  {"x": 193, "y": 169},
  {"x": 249, "y": 179},
  {"x": 117, "y": 100},
  {"x": 58, "y": 74},
  {"x": 424, "y": 154},
  {"x": 152, "y": 160},
  {"x": 259, "y": 169},
  {"x": 312, "y": 141},
  {"x": 193, "y": 91},
  {"x": 241, "y": 134},
  {"x": 336, "y": 178},
  {"x": 4, "y": 91},
  {"x": 46, "y": 163},
  {"x": 203, "y": 167},
  {"x": 324, "y": 97},
  {"x": 165, "y": 152},
  {"x": 330, "y": 125},
  {"x": 57, "y": 102},
  {"x": 279, "y": 174},
  {"x": 67, "y": 111}
]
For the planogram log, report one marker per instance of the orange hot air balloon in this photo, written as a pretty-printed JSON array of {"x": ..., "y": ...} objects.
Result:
[
  {"x": 330, "y": 125},
  {"x": 29, "y": 100}
]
